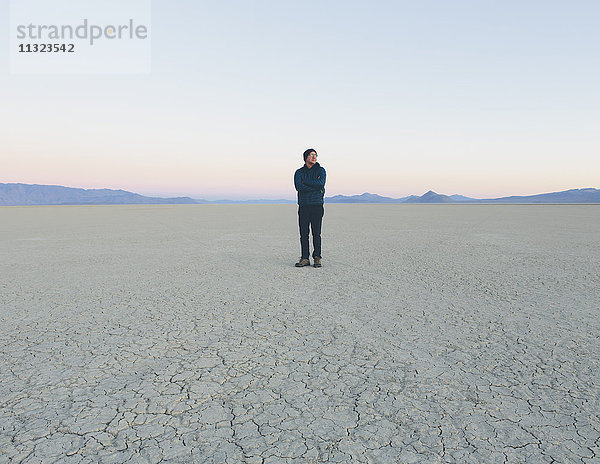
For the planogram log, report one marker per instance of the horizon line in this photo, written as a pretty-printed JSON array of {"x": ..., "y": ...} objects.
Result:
[{"x": 216, "y": 199}]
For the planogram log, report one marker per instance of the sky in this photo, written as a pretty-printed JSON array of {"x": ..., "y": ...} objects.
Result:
[{"x": 478, "y": 97}]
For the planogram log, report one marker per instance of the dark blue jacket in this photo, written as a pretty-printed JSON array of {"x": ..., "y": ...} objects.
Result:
[{"x": 310, "y": 184}]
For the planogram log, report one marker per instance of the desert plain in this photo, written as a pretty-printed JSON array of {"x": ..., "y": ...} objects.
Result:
[{"x": 174, "y": 334}]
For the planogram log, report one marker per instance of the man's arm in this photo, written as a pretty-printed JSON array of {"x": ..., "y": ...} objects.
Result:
[
  {"x": 319, "y": 183},
  {"x": 300, "y": 186}
]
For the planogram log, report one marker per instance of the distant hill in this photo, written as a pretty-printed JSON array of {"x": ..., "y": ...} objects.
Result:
[
  {"x": 587, "y": 195},
  {"x": 574, "y": 196},
  {"x": 33, "y": 194},
  {"x": 431, "y": 197},
  {"x": 27, "y": 194},
  {"x": 364, "y": 198}
]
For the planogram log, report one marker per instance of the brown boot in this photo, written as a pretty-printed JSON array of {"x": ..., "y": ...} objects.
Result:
[
  {"x": 303, "y": 262},
  {"x": 317, "y": 262}
]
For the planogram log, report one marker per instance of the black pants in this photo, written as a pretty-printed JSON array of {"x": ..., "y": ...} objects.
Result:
[{"x": 313, "y": 215}]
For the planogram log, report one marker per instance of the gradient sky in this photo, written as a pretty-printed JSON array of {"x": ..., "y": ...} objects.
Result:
[{"x": 483, "y": 98}]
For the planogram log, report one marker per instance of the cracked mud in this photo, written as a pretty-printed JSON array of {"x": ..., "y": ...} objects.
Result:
[{"x": 170, "y": 334}]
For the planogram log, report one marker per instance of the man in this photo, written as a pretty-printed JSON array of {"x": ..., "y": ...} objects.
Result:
[{"x": 309, "y": 181}]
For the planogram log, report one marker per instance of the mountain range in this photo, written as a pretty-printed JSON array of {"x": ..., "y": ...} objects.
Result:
[
  {"x": 26, "y": 194},
  {"x": 573, "y": 196}
]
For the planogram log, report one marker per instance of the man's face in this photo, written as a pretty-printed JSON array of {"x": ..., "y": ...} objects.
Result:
[{"x": 311, "y": 159}]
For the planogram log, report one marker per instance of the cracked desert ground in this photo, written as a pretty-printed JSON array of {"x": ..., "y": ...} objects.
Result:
[{"x": 174, "y": 334}]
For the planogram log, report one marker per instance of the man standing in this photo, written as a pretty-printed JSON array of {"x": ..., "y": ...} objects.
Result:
[{"x": 309, "y": 181}]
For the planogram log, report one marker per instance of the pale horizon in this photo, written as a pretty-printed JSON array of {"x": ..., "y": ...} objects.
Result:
[
  {"x": 463, "y": 98},
  {"x": 238, "y": 196}
]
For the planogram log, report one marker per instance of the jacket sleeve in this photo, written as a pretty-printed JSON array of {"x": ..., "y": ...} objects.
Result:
[
  {"x": 319, "y": 182},
  {"x": 300, "y": 186}
]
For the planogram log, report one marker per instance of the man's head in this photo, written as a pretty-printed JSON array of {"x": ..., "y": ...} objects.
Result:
[{"x": 310, "y": 157}]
